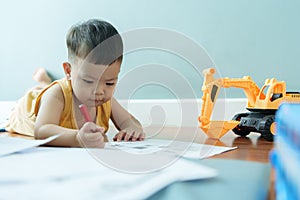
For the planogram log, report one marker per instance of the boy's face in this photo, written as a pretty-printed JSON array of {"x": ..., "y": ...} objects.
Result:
[{"x": 94, "y": 84}]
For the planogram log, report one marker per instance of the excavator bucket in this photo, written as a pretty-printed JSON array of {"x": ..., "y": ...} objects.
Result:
[{"x": 216, "y": 129}]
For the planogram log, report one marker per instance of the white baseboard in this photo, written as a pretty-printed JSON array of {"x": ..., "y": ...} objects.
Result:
[
  {"x": 171, "y": 112},
  {"x": 184, "y": 112}
]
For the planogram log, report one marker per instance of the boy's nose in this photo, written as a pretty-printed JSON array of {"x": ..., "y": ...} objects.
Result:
[{"x": 99, "y": 91}]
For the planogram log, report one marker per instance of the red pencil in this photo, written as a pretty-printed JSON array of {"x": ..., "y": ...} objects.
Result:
[{"x": 85, "y": 113}]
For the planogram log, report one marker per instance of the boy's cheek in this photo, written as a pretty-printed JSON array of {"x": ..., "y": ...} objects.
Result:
[{"x": 85, "y": 93}]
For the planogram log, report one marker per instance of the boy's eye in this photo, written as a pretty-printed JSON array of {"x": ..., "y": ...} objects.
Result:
[
  {"x": 87, "y": 81},
  {"x": 110, "y": 84}
]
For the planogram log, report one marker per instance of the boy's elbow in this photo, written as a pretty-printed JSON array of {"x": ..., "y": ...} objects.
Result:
[{"x": 37, "y": 133}]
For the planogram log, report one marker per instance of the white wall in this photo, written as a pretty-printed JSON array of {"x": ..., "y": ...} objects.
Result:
[{"x": 255, "y": 38}]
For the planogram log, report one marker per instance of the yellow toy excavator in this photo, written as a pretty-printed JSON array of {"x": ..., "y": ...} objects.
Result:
[{"x": 262, "y": 105}]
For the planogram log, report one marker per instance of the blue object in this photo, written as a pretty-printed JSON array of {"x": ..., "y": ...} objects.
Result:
[{"x": 286, "y": 156}]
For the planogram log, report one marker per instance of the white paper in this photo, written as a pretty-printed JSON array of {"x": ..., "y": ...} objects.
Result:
[
  {"x": 9, "y": 145},
  {"x": 73, "y": 173},
  {"x": 78, "y": 173},
  {"x": 184, "y": 149}
]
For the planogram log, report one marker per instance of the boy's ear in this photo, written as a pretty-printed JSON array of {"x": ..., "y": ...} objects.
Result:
[{"x": 67, "y": 69}]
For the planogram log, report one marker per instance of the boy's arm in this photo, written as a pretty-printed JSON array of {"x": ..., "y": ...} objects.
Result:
[
  {"x": 47, "y": 124},
  {"x": 129, "y": 127},
  {"x": 47, "y": 121}
]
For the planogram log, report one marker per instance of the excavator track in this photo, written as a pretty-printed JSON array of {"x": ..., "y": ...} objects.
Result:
[{"x": 254, "y": 122}]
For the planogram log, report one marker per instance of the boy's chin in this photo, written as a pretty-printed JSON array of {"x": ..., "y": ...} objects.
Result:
[{"x": 96, "y": 103}]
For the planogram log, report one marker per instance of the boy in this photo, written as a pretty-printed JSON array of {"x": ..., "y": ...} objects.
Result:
[{"x": 95, "y": 51}]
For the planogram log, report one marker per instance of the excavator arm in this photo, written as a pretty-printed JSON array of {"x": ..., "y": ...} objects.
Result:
[{"x": 210, "y": 89}]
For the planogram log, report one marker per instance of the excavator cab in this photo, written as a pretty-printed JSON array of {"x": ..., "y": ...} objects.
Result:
[{"x": 270, "y": 96}]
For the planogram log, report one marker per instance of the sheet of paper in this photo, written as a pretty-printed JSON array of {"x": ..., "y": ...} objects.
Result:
[
  {"x": 9, "y": 145},
  {"x": 73, "y": 173},
  {"x": 184, "y": 149}
]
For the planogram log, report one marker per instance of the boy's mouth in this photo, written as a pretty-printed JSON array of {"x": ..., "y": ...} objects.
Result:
[{"x": 98, "y": 101}]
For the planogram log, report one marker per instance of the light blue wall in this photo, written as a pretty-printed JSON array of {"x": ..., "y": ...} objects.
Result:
[{"x": 259, "y": 38}]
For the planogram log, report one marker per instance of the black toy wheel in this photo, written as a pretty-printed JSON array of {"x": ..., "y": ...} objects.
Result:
[
  {"x": 267, "y": 136},
  {"x": 239, "y": 130},
  {"x": 265, "y": 127}
]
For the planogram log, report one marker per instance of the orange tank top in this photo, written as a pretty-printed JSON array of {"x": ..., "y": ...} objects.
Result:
[
  {"x": 23, "y": 116},
  {"x": 68, "y": 119}
]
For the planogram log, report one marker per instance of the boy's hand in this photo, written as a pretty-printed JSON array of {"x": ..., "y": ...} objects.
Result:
[
  {"x": 130, "y": 133},
  {"x": 91, "y": 136}
]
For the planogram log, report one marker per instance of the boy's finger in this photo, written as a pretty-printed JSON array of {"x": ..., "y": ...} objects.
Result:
[
  {"x": 141, "y": 136},
  {"x": 116, "y": 136},
  {"x": 121, "y": 135},
  {"x": 95, "y": 128},
  {"x": 128, "y": 136},
  {"x": 100, "y": 129},
  {"x": 90, "y": 127},
  {"x": 136, "y": 136},
  {"x": 94, "y": 136}
]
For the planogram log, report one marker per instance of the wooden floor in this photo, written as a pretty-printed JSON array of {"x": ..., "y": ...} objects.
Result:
[{"x": 251, "y": 148}]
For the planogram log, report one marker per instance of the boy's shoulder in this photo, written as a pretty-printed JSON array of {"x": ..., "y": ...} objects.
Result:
[{"x": 54, "y": 90}]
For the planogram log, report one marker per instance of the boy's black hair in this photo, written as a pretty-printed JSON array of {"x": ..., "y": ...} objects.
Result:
[{"x": 95, "y": 40}]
